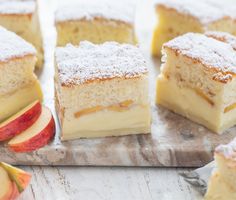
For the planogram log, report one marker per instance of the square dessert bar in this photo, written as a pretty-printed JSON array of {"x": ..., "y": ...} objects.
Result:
[
  {"x": 22, "y": 18},
  {"x": 101, "y": 90},
  {"x": 177, "y": 17},
  {"x": 96, "y": 22},
  {"x": 18, "y": 83},
  {"x": 222, "y": 184},
  {"x": 197, "y": 79}
]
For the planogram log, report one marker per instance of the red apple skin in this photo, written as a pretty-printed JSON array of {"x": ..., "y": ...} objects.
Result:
[
  {"x": 38, "y": 141},
  {"x": 20, "y": 177},
  {"x": 15, "y": 193},
  {"x": 21, "y": 123}
]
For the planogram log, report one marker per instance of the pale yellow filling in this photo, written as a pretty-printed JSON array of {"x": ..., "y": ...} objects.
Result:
[
  {"x": 12, "y": 103},
  {"x": 195, "y": 105},
  {"x": 116, "y": 107},
  {"x": 187, "y": 102},
  {"x": 103, "y": 123}
]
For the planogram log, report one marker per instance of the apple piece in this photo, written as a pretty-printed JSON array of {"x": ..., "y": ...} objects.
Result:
[
  {"x": 6, "y": 185},
  {"x": 36, "y": 136},
  {"x": 15, "y": 193},
  {"x": 8, "y": 189},
  {"x": 20, "y": 121},
  {"x": 20, "y": 177}
]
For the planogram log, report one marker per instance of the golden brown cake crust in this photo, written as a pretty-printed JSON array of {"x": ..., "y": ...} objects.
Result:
[
  {"x": 223, "y": 37},
  {"x": 216, "y": 56},
  {"x": 88, "y": 63}
]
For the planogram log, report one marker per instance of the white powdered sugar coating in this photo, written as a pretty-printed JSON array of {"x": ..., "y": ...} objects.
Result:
[
  {"x": 13, "y": 46},
  {"x": 227, "y": 150},
  {"x": 224, "y": 37},
  {"x": 110, "y": 10},
  {"x": 206, "y": 11},
  {"x": 87, "y": 62},
  {"x": 17, "y": 6},
  {"x": 210, "y": 52}
]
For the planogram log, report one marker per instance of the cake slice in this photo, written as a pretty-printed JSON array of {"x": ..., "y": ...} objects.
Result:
[
  {"x": 101, "y": 90},
  {"x": 18, "y": 83},
  {"x": 22, "y": 18},
  {"x": 197, "y": 79},
  {"x": 177, "y": 17},
  {"x": 222, "y": 184},
  {"x": 95, "y": 22}
]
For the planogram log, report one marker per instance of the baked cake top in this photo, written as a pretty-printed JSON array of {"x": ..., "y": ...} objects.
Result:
[
  {"x": 89, "y": 62},
  {"x": 206, "y": 11},
  {"x": 17, "y": 7},
  {"x": 227, "y": 150},
  {"x": 13, "y": 46},
  {"x": 223, "y": 37},
  {"x": 92, "y": 9},
  {"x": 220, "y": 57}
]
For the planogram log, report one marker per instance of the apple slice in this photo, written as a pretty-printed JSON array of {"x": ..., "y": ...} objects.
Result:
[
  {"x": 20, "y": 121},
  {"x": 8, "y": 189},
  {"x": 20, "y": 177},
  {"x": 36, "y": 136}
]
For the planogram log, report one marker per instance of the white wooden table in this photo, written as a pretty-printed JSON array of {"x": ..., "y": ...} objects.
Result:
[{"x": 111, "y": 183}]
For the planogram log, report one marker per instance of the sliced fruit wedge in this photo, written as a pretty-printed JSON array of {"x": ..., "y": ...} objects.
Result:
[
  {"x": 20, "y": 121},
  {"x": 20, "y": 177},
  {"x": 36, "y": 136},
  {"x": 8, "y": 189}
]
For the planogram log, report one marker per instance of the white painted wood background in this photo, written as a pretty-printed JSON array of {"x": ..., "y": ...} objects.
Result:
[{"x": 111, "y": 183}]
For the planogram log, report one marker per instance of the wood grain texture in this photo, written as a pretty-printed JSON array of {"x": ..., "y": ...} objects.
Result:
[
  {"x": 72, "y": 183},
  {"x": 174, "y": 141}
]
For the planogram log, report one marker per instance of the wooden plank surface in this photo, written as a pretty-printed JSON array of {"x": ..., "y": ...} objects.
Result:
[
  {"x": 86, "y": 183},
  {"x": 174, "y": 141}
]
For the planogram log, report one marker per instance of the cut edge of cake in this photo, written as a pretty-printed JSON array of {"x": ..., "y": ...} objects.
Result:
[
  {"x": 213, "y": 67},
  {"x": 114, "y": 101}
]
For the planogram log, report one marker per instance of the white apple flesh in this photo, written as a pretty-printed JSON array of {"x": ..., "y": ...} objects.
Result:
[
  {"x": 20, "y": 121},
  {"x": 36, "y": 136}
]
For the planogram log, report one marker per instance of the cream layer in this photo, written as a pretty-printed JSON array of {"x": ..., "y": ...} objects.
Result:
[
  {"x": 134, "y": 120},
  {"x": 12, "y": 103}
]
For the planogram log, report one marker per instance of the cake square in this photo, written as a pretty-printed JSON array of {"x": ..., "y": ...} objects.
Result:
[
  {"x": 18, "y": 83},
  {"x": 95, "y": 22},
  {"x": 197, "y": 79},
  {"x": 222, "y": 184},
  {"x": 101, "y": 90},
  {"x": 22, "y": 18},
  {"x": 177, "y": 17}
]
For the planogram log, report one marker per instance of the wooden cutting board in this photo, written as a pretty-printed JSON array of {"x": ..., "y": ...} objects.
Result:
[{"x": 174, "y": 140}]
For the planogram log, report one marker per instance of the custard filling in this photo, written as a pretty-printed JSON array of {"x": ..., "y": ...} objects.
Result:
[
  {"x": 201, "y": 94},
  {"x": 230, "y": 107},
  {"x": 122, "y": 106}
]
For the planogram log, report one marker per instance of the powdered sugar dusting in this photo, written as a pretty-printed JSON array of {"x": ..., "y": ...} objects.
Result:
[
  {"x": 223, "y": 36},
  {"x": 87, "y": 62},
  {"x": 206, "y": 11},
  {"x": 92, "y": 9},
  {"x": 13, "y": 46},
  {"x": 210, "y": 52},
  {"x": 17, "y": 6},
  {"x": 228, "y": 150}
]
